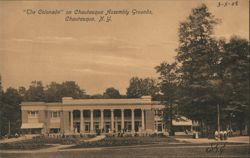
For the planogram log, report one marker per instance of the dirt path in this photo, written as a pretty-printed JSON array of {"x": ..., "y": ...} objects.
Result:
[
  {"x": 241, "y": 139},
  {"x": 97, "y": 138}
]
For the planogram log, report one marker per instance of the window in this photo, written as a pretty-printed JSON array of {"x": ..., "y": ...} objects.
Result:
[
  {"x": 55, "y": 114},
  {"x": 32, "y": 114}
]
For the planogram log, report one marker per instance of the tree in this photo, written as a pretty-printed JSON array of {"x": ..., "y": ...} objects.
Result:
[
  {"x": 139, "y": 87},
  {"x": 3, "y": 119},
  {"x": 71, "y": 89},
  {"x": 234, "y": 72},
  {"x": 214, "y": 73},
  {"x": 111, "y": 93},
  {"x": 55, "y": 91},
  {"x": 35, "y": 92},
  {"x": 169, "y": 86},
  {"x": 10, "y": 111},
  {"x": 198, "y": 56},
  {"x": 22, "y": 92}
]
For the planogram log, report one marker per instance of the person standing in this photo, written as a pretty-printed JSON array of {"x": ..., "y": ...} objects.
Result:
[
  {"x": 225, "y": 135},
  {"x": 216, "y": 135}
]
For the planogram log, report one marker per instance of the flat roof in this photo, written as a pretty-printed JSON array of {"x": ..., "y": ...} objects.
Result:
[{"x": 70, "y": 101}]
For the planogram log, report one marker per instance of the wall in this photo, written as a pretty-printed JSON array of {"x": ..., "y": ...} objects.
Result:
[{"x": 149, "y": 117}]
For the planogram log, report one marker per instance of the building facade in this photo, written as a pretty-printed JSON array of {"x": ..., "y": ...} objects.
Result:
[{"x": 71, "y": 116}]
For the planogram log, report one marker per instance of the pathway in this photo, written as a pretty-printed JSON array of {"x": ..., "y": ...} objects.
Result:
[
  {"x": 241, "y": 139},
  {"x": 97, "y": 138}
]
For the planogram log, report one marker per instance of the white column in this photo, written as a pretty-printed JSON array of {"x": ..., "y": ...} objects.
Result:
[
  {"x": 142, "y": 120},
  {"x": 122, "y": 119},
  {"x": 61, "y": 122},
  {"x": 133, "y": 120},
  {"x": 71, "y": 121},
  {"x": 102, "y": 119},
  {"x": 91, "y": 121},
  {"x": 81, "y": 121},
  {"x": 112, "y": 120}
]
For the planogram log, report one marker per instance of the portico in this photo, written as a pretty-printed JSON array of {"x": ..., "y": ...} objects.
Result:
[{"x": 107, "y": 120}]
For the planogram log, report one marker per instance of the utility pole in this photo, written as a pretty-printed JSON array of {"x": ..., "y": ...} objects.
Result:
[{"x": 218, "y": 117}]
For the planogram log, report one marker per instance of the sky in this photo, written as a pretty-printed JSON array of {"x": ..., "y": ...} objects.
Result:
[{"x": 99, "y": 55}]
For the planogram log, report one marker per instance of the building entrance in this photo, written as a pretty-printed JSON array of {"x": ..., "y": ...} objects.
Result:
[
  {"x": 127, "y": 126},
  {"x": 107, "y": 127},
  {"x": 137, "y": 125},
  {"x": 77, "y": 127},
  {"x": 96, "y": 126},
  {"x": 87, "y": 127},
  {"x": 117, "y": 126}
]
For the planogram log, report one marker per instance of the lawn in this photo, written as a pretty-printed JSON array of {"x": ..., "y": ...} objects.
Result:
[
  {"x": 45, "y": 142},
  {"x": 39, "y": 143},
  {"x": 153, "y": 151},
  {"x": 124, "y": 141},
  {"x": 24, "y": 145}
]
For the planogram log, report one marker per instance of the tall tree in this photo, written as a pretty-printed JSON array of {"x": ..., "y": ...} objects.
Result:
[
  {"x": 198, "y": 56},
  {"x": 139, "y": 87},
  {"x": 169, "y": 87},
  {"x": 234, "y": 70},
  {"x": 111, "y": 93}
]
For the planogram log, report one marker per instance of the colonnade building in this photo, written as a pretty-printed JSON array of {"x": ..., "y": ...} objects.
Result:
[{"x": 90, "y": 115}]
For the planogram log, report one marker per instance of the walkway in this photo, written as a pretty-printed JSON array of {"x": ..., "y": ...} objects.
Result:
[
  {"x": 241, "y": 139},
  {"x": 97, "y": 138}
]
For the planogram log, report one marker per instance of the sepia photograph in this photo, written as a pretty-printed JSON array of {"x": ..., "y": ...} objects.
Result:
[{"x": 124, "y": 79}]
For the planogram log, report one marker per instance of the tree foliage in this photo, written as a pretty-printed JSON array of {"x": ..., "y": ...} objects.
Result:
[
  {"x": 35, "y": 92},
  {"x": 198, "y": 56},
  {"x": 169, "y": 88},
  {"x": 111, "y": 93},
  {"x": 139, "y": 87},
  {"x": 210, "y": 72},
  {"x": 55, "y": 91},
  {"x": 169, "y": 81},
  {"x": 235, "y": 75},
  {"x": 10, "y": 111}
]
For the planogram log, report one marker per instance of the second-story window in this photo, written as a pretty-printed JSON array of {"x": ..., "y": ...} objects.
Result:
[
  {"x": 55, "y": 114},
  {"x": 32, "y": 114}
]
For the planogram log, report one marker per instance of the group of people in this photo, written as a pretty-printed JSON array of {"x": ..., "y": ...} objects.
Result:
[{"x": 222, "y": 135}]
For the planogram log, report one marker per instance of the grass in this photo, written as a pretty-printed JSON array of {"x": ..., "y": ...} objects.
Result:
[
  {"x": 39, "y": 143},
  {"x": 149, "y": 152},
  {"x": 45, "y": 142},
  {"x": 23, "y": 145},
  {"x": 124, "y": 141}
]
